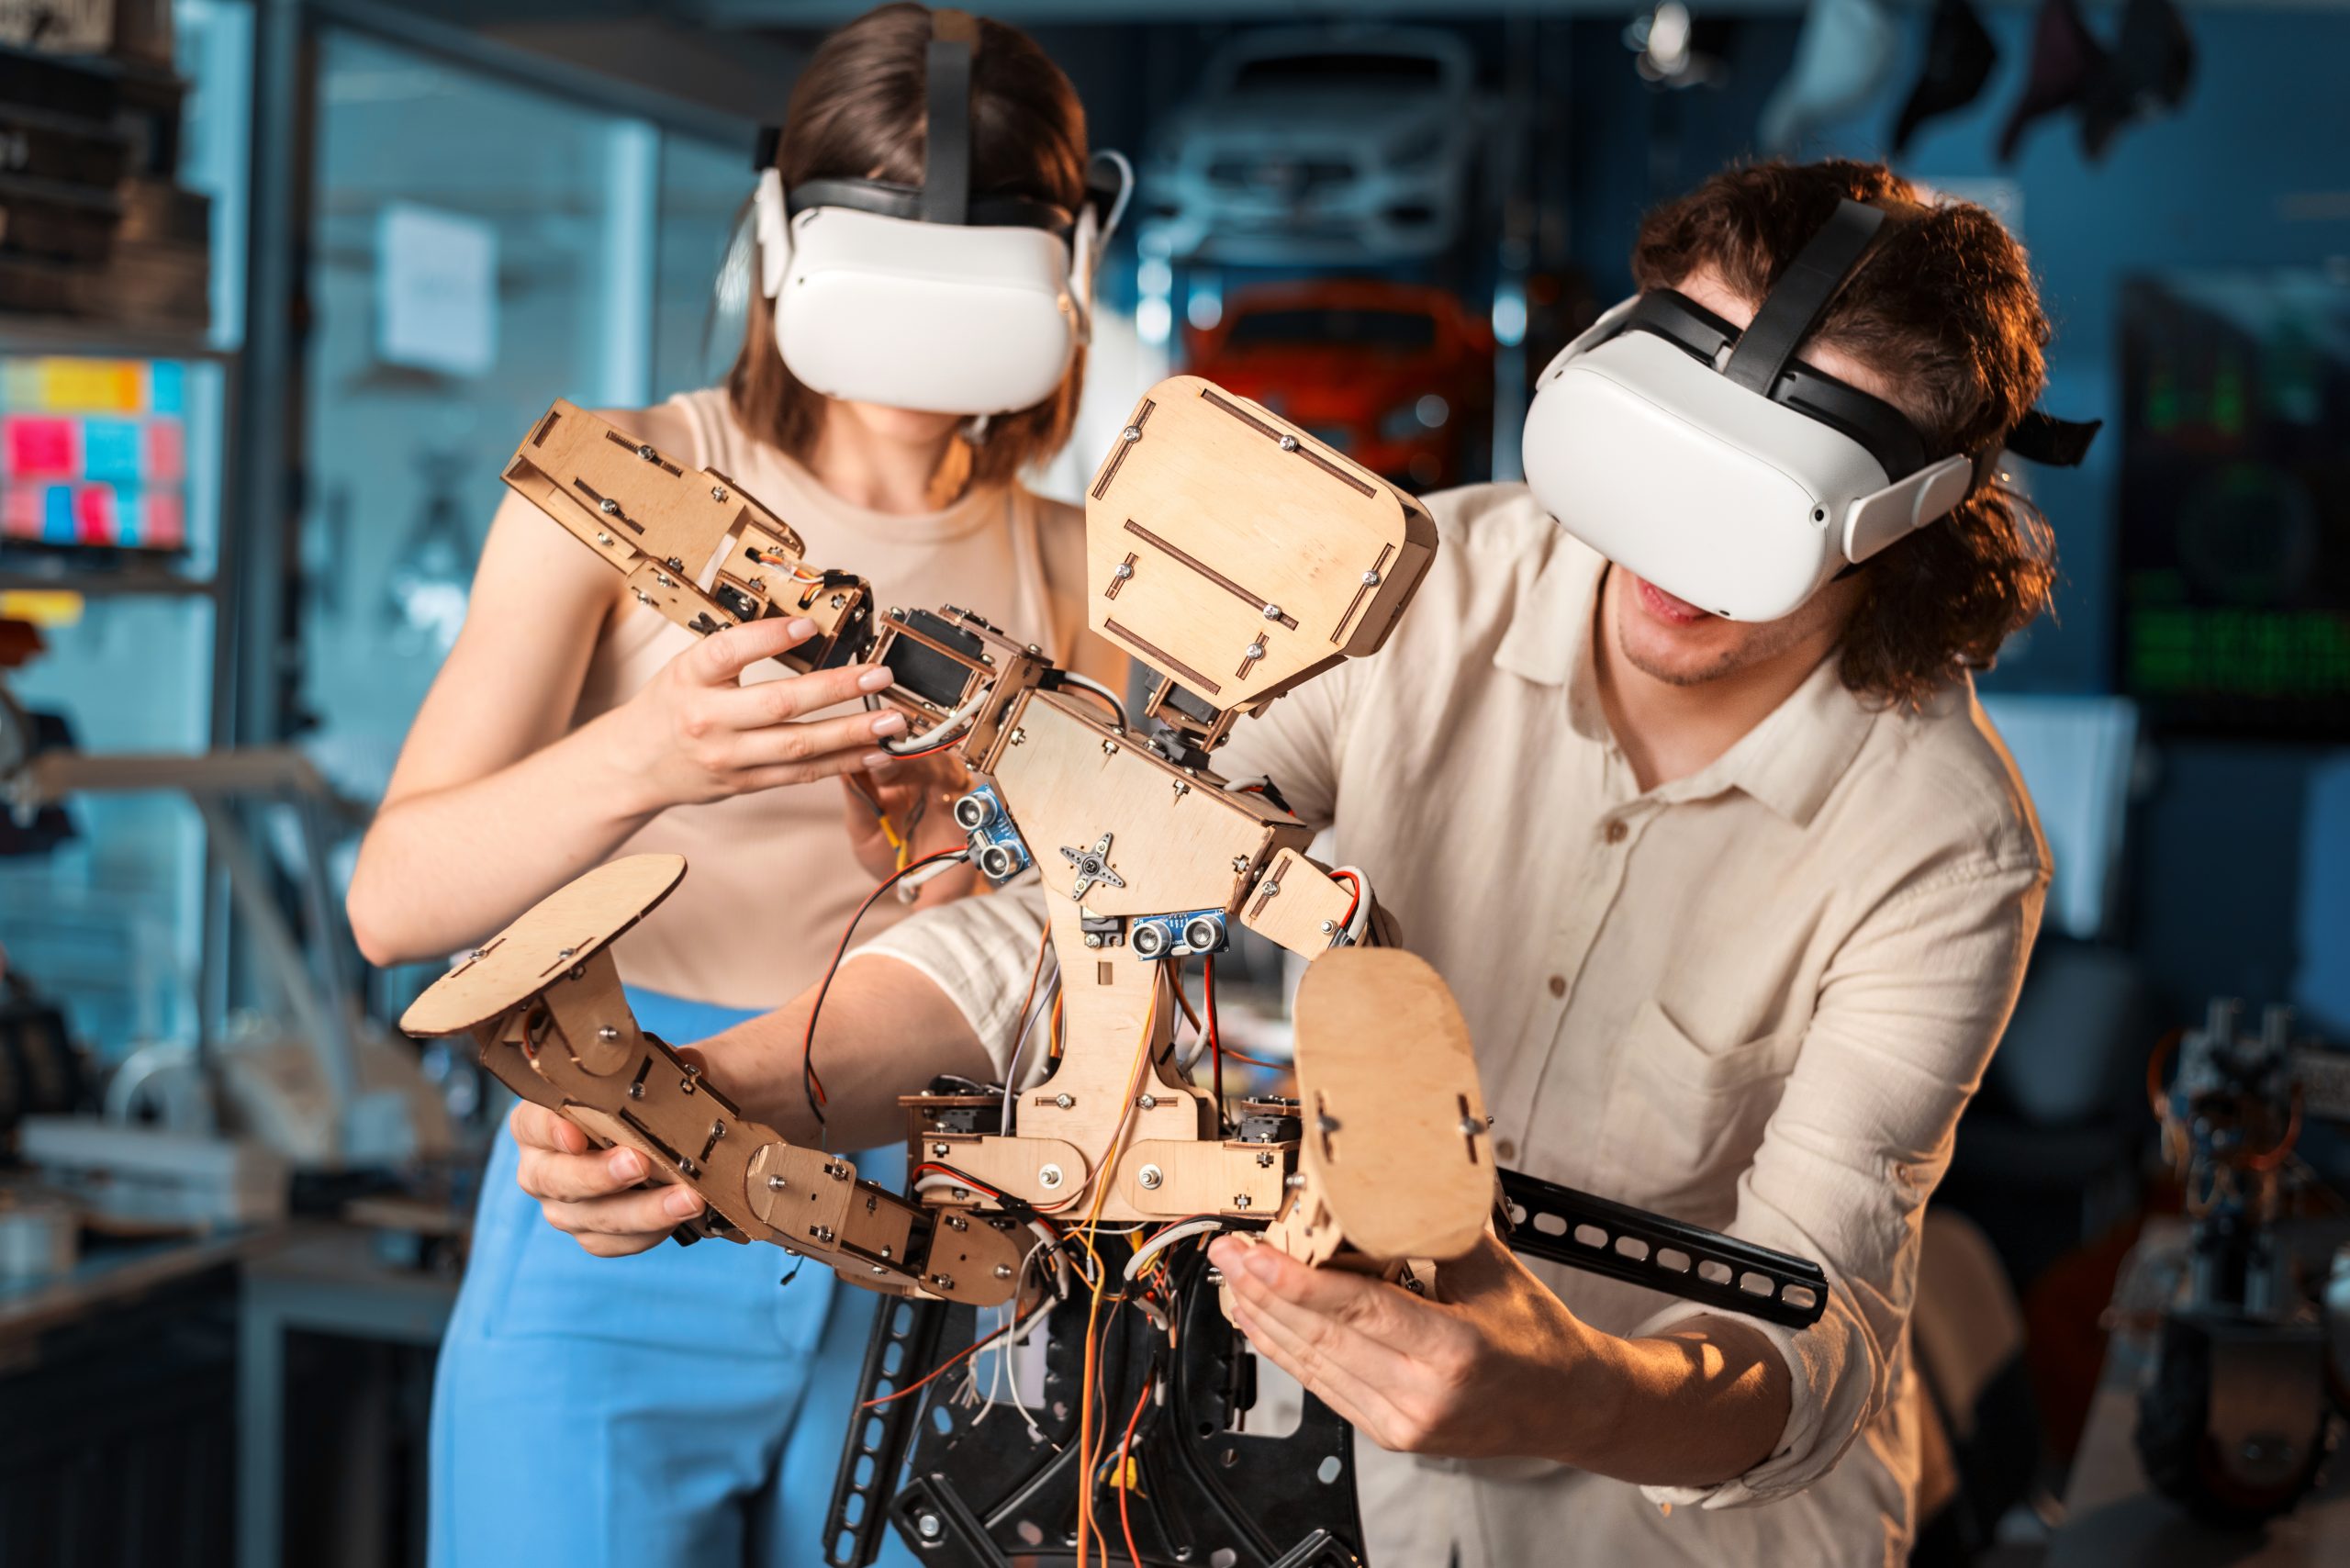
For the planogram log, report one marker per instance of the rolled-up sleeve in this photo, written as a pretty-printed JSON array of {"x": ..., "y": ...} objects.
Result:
[
  {"x": 1909, "y": 1013},
  {"x": 980, "y": 951}
]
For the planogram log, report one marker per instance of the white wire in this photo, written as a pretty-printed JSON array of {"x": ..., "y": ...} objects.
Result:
[
  {"x": 1361, "y": 920},
  {"x": 1168, "y": 1238},
  {"x": 940, "y": 732},
  {"x": 1071, "y": 678},
  {"x": 911, "y": 883},
  {"x": 1027, "y": 1027}
]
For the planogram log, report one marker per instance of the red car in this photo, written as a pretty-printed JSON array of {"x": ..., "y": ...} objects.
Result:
[{"x": 1398, "y": 377}]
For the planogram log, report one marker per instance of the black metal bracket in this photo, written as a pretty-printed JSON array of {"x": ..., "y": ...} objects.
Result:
[
  {"x": 1559, "y": 1225},
  {"x": 902, "y": 1345}
]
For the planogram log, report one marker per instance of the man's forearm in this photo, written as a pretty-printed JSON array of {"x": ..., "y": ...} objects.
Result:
[
  {"x": 1701, "y": 1404},
  {"x": 886, "y": 1030}
]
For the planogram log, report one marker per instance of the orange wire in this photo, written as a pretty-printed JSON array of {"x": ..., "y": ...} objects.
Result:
[
  {"x": 1126, "y": 1476},
  {"x": 972, "y": 1349},
  {"x": 1101, "y": 1182}
]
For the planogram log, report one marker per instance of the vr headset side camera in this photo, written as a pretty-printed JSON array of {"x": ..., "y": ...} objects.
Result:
[
  {"x": 1708, "y": 461},
  {"x": 934, "y": 298}
]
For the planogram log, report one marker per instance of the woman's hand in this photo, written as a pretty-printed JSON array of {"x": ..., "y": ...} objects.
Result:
[
  {"x": 696, "y": 734},
  {"x": 913, "y": 799},
  {"x": 590, "y": 1194}
]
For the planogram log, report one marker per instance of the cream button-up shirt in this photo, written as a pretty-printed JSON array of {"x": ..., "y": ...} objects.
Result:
[{"x": 1755, "y": 999}]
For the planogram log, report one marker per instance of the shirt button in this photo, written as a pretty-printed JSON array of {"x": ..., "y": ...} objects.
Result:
[
  {"x": 1506, "y": 1149},
  {"x": 1558, "y": 985},
  {"x": 1615, "y": 832}
]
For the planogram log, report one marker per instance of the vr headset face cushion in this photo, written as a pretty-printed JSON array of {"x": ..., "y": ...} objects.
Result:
[
  {"x": 944, "y": 319},
  {"x": 1717, "y": 496}
]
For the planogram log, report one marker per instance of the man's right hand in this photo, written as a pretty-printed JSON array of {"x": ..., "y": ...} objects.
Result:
[{"x": 591, "y": 1193}]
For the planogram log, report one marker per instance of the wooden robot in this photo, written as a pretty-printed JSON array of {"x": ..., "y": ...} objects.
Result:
[{"x": 1238, "y": 557}]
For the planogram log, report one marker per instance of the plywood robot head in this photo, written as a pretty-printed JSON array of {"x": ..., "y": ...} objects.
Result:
[{"x": 1236, "y": 554}]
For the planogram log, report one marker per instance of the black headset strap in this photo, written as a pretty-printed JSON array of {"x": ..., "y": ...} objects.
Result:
[
  {"x": 886, "y": 200},
  {"x": 947, "y": 136},
  {"x": 1793, "y": 308}
]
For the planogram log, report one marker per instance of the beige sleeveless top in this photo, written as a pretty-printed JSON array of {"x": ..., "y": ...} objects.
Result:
[{"x": 770, "y": 880}]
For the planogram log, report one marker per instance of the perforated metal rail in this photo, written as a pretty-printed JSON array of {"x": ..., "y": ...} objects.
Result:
[{"x": 1560, "y": 1225}]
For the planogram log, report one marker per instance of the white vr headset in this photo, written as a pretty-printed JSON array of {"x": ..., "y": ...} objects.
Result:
[
  {"x": 930, "y": 297},
  {"x": 1712, "y": 462}
]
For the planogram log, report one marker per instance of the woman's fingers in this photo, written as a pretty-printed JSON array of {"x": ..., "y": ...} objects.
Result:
[
  {"x": 720, "y": 658},
  {"x": 848, "y": 738},
  {"x": 765, "y": 702}
]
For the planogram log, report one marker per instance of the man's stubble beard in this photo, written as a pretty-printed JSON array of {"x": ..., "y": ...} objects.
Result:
[{"x": 1766, "y": 642}]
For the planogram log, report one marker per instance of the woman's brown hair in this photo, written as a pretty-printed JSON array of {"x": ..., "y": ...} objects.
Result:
[
  {"x": 1946, "y": 308},
  {"x": 858, "y": 113}
]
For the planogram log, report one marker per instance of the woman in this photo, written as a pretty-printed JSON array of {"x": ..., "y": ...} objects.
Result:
[{"x": 680, "y": 1408}]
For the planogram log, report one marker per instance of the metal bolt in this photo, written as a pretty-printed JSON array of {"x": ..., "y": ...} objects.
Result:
[
  {"x": 1123, "y": 570},
  {"x": 1003, "y": 1270},
  {"x": 957, "y": 1222},
  {"x": 885, "y": 1251},
  {"x": 1181, "y": 789},
  {"x": 1049, "y": 1176},
  {"x": 1034, "y": 649},
  {"x": 1151, "y": 1176},
  {"x": 608, "y": 1034},
  {"x": 602, "y": 537},
  {"x": 879, "y": 1270},
  {"x": 1109, "y": 748},
  {"x": 1215, "y": 1275},
  {"x": 1132, "y": 433},
  {"x": 839, "y": 600},
  {"x": 1371, "y": 579},
  {"x": 1329, "y": 927},
  {"x": 1272, "y": 613},
  {"x": 1288, "y": 444},
  {"x": 648, "y": 454},
  {"x": 610, "y": 507},
  {"x": 1294, "y": 1180},
  {"x": 1257, "y": 649},
  {"x": 480, "y": 953},
  {"x": 1240, "y": 1200},
  {"x": 1265, "y": 1160},
  {"x": 636, "y": 1092},
  {"x": 929, "y": 1526},
  {"x": 718, "y": 492},
  {"x": 565, "y": 952},
  {"x": 663, "y": 580},
  {"x": 1093, "y": 938},
  {"x": 792, "y": 1251},
  {"x": 1272, "y": 890},
  {"x": 717, "y": 1131},
  {"x": 944, "y": 1282},
  {"x": 776, "y": 1183},
  {"x": 1018, "y": 735},
  {"x": 1146, "y": 1100},
  {"x": 824, "y": 1233},
  {"x": 1471, "y": 1126},
  {"x": 1240, "y": 865},
  {"x": 1063, "y": 1101}
]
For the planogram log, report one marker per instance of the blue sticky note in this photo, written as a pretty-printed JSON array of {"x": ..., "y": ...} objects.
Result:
[
  {"x": 57, "y": 517},
  {"x": 166, "y": 387},
  {"x": 110, "y": 451}
]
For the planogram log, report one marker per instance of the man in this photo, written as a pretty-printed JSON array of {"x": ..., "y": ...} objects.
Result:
[{"x": 1736, "y": 911}]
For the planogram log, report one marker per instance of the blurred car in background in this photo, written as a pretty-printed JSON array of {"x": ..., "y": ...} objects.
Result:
[
  {"x": 1398, "y": 377},
  {"x": 1307, "y": 146}
]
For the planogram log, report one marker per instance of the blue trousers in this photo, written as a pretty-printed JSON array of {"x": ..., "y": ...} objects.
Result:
[{"x": 675, "y": 1408}]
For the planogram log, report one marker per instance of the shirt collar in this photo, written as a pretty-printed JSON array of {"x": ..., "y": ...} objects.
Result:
[{"x": 1790, "y": 762}]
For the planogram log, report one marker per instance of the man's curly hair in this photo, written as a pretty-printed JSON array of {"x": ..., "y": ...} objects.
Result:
[{"x": 1946, "y": 308}]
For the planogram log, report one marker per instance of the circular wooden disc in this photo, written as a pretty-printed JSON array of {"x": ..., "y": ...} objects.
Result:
[{"x": 567, "y": 926}]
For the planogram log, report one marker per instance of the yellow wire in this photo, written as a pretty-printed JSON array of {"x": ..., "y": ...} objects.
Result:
[{"x": 1101, "y": 1171}]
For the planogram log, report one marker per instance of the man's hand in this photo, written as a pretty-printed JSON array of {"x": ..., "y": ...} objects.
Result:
[
  {"x": 1493, "y": 1369},
  {"x": 591, "y": 1193}
]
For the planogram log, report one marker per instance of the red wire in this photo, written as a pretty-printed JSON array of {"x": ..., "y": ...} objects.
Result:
[
  {"x": 1215, "y": 1047},
  {"x": 972, "y": 1349},
  {"x": 1125, "y": 1477},
  {"x": 813, "y": 1085}
]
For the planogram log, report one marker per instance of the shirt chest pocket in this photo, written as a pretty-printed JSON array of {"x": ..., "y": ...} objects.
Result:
[{"x": 1683, "y": 1121}]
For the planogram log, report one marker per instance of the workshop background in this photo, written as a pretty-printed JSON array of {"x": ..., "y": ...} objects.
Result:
[{"x": 281, "y": 282}]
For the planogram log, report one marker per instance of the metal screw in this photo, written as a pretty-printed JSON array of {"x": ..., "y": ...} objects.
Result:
[
  {"x": 480, "y": 953},
  {"x": 608, "y": 1034},
  {"x": 648, "y": 453},
  {"x": 1093, "y": 938},
  {"x": 602, "y": 537},
  {"x": 1146, "y": 1100},
  {"x": 929, "y": 1526},
  {"x": 1018, "y": 735},
  {"x": 1003, "y": 1270},
  {"x": 1151, "y": 1176},
  {"x": 1257, "y": 649},
  {"x": 776, "y": 1183},
  {"x": 938, "y": 1150},
  {"x": 1272, "y": 890},
  {"x": 944, "y": 1282},
  {"x": 1265, "y": 1160},
  {"x": 1241, "y": 866},
  {"x": 1063, "y": 1101},
  {"x": 1034, "y": 649},
  {"x": 1123, "y": 570},
  {"x": 792, "y": 1251},
  {"x": 957, "y": 1222},
  {"x": 1272, "y": 613},
  {"x": 824, "y": 1233},
  {"x": 839, "y": 600},
  {"x": 885, "y": 1251},
  {"x": 1181, "y": 789},
  {"x": 1371, "y": 579},
  {"x": 1329, "y": 927},
  {"x": 1049, "y": 1176},
  {"x": 879, "y": 1270},
  {"x": 1294, "y": 1180},
  {"x": 1109, "y": 748},
  {"x": 1471, "y": 1126},
  {"x": 1132, "y": 433},
  {"x": 636, "y": 1092},
  {"x": 718, "y": 492},
  {"x": 565, "y": 952},
  {"x": 610, "y": 507},
  {"x": 1240, "y": 1200},
  {"x": 1288, "y": 444},
  {"x": 663, "y": 580}
]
